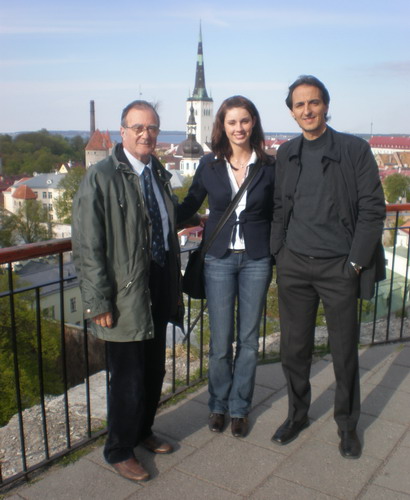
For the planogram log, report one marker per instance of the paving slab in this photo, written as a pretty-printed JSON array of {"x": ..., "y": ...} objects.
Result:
[
  {"x": 393, "y": 376},
  {"x": 155, "y": 464},
  {"x": 395, "y": 474},
  {"x": 389, "y": 404},
  {"x": 242, "y": 468},
  {"x": 261, "y": 394},
  {"x": 83, "y": 480},
  {"x": 378, "y": 436},
  {"x": 319, "y": 465},
  {"x": 278, "y": 488},
  {"x": 265, "y": 423},
  {"x": 187, "y": 422},
  {"x": 177, "y": 484},
  {"x": 378, "y": 493},
  {"x": 406, "y": 440},
  {"x": 270, "y": 375},
  {"x": 209, "y": 465}
]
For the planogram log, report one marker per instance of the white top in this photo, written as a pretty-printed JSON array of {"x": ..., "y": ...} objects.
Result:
[{"x": 238, "y": 242}]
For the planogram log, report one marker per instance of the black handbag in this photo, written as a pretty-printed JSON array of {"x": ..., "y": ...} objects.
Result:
[{"x": 193, "y": 282}]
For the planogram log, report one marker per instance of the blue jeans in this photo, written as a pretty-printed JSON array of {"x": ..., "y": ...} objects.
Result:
[{"x": 234, "y": 277}]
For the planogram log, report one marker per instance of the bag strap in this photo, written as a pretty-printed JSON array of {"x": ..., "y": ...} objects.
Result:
[{"x": 231, "y": 207}]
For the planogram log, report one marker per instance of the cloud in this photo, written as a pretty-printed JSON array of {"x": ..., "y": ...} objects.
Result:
[
  {"x": 12, "y": 63},
  {"x": 72, "y": 86},
  {"x": 264, "y": 13},
  {"x": 391, "y": 68},
  {"x": 250, "y": 86}
]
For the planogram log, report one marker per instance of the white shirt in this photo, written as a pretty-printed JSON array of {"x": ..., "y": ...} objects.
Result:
[
  {"x": 239, "y": 242},
  {"x": 138, "y": 166}
]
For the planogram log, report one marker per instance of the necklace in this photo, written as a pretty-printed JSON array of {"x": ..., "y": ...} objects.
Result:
[{"x": 241, "y": 164}]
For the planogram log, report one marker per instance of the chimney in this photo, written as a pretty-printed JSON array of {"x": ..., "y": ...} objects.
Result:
[{"x": 92, "y": 118}]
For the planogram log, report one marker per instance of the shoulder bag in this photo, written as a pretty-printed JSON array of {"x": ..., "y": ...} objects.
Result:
[{"x": 193, "y": 282}]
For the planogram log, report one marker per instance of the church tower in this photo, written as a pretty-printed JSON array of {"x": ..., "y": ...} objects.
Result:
[{"x": 201, "y": 103}]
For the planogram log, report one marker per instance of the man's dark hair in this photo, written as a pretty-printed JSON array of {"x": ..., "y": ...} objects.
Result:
[
  {"x": 307, "y": 80},
  {"x": 138, "y": 104}
]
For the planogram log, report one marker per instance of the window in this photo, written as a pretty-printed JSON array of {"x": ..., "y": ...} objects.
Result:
[
  {"x": 73, "y": 305},
  {"x": 50, "y": 206},
  {"x": 50, "y": 195},
  {"x": 44, "y": 195}
]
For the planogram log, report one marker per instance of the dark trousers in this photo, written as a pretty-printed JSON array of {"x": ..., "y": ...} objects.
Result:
[
  {"x": 137, "y": 371},
  {"x": 302, "y": 282}
]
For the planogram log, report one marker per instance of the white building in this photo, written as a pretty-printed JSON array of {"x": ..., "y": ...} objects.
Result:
[
  {"x": 41, "y": 187},
  {"x": 190, "y": 150}
]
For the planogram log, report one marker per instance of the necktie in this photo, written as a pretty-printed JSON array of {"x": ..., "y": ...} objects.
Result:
[{"x": 158, "y": 248}]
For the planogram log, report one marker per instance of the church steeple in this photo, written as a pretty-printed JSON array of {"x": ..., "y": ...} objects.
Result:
[
  {"x": 199, "y": 105},
  {"x": 200, "y": 90}
]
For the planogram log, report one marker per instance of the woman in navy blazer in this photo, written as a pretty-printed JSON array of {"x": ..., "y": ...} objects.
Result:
[{"x": 238, "y": 266}]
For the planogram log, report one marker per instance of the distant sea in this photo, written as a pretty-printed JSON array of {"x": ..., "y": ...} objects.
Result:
[
  {"x": 164, "y": 136},
  {"x": 172, "y": 137}
]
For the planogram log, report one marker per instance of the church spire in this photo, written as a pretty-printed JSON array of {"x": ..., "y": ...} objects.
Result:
[{"x": 200, "y": 90}]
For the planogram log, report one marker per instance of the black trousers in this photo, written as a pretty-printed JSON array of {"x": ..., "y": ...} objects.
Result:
[
  {"x": 302, "y": 282},
  {"x": 137, "y": 371}
]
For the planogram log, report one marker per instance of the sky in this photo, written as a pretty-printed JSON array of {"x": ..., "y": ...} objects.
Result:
[{"x": 56, "y": 56}]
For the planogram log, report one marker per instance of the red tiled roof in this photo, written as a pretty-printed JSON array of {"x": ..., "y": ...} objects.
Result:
[
  {"x": 24, "y": 193},
  {"x": 99, "y": 141},
  {"x": 390, "y": 142}
]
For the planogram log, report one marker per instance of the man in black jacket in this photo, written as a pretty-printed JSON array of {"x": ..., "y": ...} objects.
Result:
[{"x": 328, "y": 220}]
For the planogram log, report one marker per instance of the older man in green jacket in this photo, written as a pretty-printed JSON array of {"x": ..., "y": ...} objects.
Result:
[{"x": 127, "y": 257}]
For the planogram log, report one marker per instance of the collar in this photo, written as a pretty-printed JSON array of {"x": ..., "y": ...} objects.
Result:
[
  {"x": 332, "y": 147},
  {"x": 137, "y": 165}
]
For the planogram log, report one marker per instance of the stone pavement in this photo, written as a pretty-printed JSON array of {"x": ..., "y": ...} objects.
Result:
[{"x": 218, "y": 466}]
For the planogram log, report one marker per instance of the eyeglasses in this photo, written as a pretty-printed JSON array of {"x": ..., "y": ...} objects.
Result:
[{"x": 140, "y": 129}]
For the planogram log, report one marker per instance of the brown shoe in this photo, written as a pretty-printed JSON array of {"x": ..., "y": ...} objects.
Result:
[
  {"x": 131, "y": 469},
  {"x": 216, "y": 422},
  {"x": 157, "y": 445},
  {"x": 239, "y": 426}
]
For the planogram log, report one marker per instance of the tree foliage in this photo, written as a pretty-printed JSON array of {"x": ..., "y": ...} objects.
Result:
[
  {"x": 69, "y": 186},
  {"x": 19, "y": 354},
  {"x": 396, "y": 186},
  {"x": 31, "y": 223},
  {"x": 39, "y": 152},
  {"x": 7, "y": 236},
  {"x": 183, "y": 191}
]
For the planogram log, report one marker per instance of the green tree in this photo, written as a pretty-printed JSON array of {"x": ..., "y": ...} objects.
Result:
[
  {"x": 31, "y": 223},
  {"x": 24, "y": 347},
  {"x": 69, "y": 185},
  {"x": 396, "y": 186},
  {"x": 183, "y": 191},
  {"x": 7, "y": 237},
  {"x": 39, "y": 152}
]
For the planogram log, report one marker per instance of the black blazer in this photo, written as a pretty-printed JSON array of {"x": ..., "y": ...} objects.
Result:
[
  {"x": 211, "y": 178},
  {"x": 352, "y": 178}
]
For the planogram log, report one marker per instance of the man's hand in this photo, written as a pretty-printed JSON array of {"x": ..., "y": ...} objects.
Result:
[
  {"x": 203, "y": 218},
  {"x": 104, "y": 320}
]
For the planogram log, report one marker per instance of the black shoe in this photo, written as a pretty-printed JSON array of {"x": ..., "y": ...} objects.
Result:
[
  {"x": 216, "y": 422},
  {"x": 289, "y": 431},
  {"x": 350, "y": 446},
  {"x": 239, "y": 427}
]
